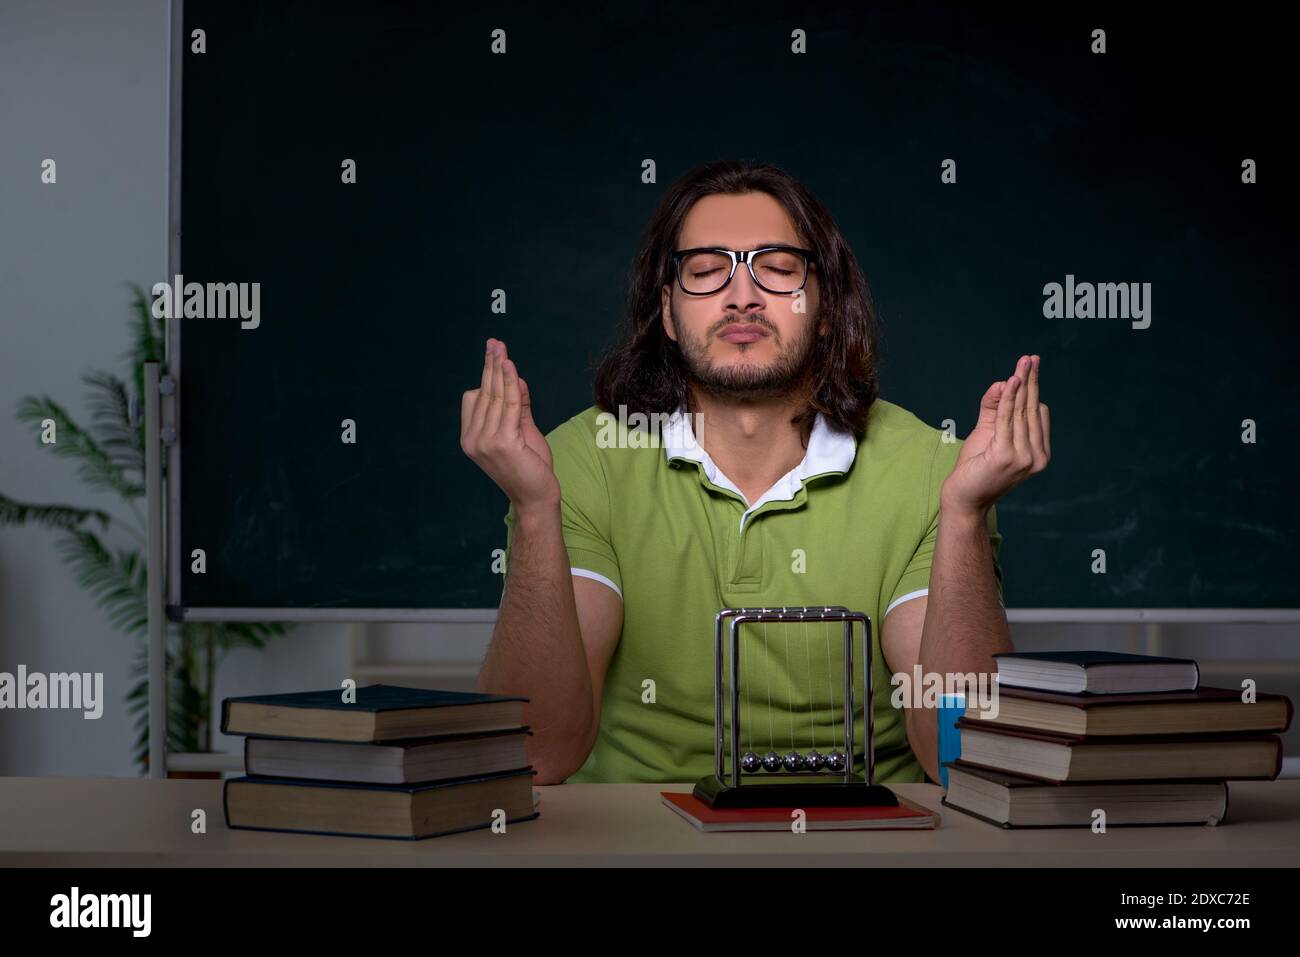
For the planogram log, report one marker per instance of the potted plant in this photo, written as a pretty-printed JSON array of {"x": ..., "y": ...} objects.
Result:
[{"x": 106, "y": 553}]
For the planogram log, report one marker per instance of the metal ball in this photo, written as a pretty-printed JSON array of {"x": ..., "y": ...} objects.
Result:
[
  {"x": 750, "y": 762},
  {"x": 813, "y": 760},
  {"x": 835, "y": 762},
  {"x": 793, "y": 761},
  {"x": 772, "y": 761}
]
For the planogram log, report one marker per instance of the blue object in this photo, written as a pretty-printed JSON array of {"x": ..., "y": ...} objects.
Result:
[{"x": 951, "y": 707}]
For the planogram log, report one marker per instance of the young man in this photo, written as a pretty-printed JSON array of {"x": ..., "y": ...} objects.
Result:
[{"x": 778, "y": 478}]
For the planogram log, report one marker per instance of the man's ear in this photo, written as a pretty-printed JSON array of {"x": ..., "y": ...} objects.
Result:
[{"x": 666, "y": 311}]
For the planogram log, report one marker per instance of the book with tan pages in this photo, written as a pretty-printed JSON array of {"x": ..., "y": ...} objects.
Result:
[
  {"x": 1203, "y": 711},
  {"x": 1012, "y": 801},
  {"x": 1057, "y": 757}
]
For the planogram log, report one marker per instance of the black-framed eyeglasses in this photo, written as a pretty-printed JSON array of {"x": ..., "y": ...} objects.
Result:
[{"x": 704, "y": 270}]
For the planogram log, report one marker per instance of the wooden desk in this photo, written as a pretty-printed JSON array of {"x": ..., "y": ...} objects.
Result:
[{"x": 87, "y": 822}]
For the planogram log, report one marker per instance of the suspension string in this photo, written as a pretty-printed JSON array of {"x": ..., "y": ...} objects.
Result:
[
  {"x": 789, "y": 677},
  {"x": 812, "y": 714},
  {"x": 749, "y": 695},
  {"x": 767, "y": 658},
  {"x": 830, "y": 683}
]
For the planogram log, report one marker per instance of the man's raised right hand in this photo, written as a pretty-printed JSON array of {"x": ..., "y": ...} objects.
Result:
[{"x": 497, "y": 431}]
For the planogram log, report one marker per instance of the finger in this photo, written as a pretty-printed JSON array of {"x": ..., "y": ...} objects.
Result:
[
  {"x": 493, "y": 421},
  {"x": 509, "y": 399},
  {"x": 467, "y": 403},
  {"x": 525, "y": 405},
  {"x": 1003, "y": 442},
  {"x": 486, "y": 383},
  {"x": 1047, "y": 428},
  {"x": 1032, "y": 417},
  {"x": 484, "y": 392},
  {"x": 989, "y": 406},
  {"x": 1019, "y": 421}
]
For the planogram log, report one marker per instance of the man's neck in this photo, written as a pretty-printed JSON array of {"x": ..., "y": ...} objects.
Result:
[{"x": 752, "y": 441}]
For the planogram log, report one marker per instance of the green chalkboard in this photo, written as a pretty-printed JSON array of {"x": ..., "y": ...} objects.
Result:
[{"x": 522, "y": 172}]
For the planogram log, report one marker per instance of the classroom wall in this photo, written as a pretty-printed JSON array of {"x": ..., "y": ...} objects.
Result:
[{"x": 85, "y": 83}]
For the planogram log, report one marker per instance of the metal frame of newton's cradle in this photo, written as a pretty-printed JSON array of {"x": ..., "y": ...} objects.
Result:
[{"x": 722, "y": 790}]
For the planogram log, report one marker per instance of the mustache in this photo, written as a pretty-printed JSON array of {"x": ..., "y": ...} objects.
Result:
[{"x": 755, "y": 320}]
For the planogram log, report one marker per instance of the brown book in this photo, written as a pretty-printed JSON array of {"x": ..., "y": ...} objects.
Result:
[
  {"x": 408, "y": 812},
  {"x": 1012, "y": 801},
  {"x": 1057, "y": 757},
  {"x": 1203, "y": 711},
  {"x": 405, "y": 761}
]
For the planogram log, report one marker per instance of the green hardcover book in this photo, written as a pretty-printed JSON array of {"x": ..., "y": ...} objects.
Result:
[{"x": 380, "y": 713}]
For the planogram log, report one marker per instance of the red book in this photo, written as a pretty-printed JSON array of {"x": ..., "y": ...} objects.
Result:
[{"x": 907, "y": 816}]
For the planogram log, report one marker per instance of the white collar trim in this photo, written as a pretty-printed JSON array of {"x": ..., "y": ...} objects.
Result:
[{"x": 829, "y": 450}]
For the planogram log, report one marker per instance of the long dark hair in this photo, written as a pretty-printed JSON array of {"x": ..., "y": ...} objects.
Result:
[{"x": 647, "y": 373}]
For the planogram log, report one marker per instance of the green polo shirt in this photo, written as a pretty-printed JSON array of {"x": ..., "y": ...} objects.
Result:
[{"x": 647, "y": 513}]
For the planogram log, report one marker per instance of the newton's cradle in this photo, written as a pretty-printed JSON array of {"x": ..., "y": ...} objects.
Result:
[{"x": 747, "y": 779}]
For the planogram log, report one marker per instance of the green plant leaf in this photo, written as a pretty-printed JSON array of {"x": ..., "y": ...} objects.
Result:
[
  {"x": 52, "y": 516},
  {"x": 118, "y": 582},
  {"x": 182, "y": 717},
  {"x": 97, "y": 469},
  {"x": 146, "y": 337},
  {"x": 110, "y": 409}
]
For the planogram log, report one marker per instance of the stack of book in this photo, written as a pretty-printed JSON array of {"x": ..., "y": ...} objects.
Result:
[
  {"x": 1133, "y": 735},
  {"x": 398, "y": 762}
]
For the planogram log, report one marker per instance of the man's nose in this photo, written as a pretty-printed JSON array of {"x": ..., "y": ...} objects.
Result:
[{"x": 742, "y": 290}]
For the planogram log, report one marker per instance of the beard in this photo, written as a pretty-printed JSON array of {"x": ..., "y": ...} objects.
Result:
[{"x": 782, "y": 375}]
